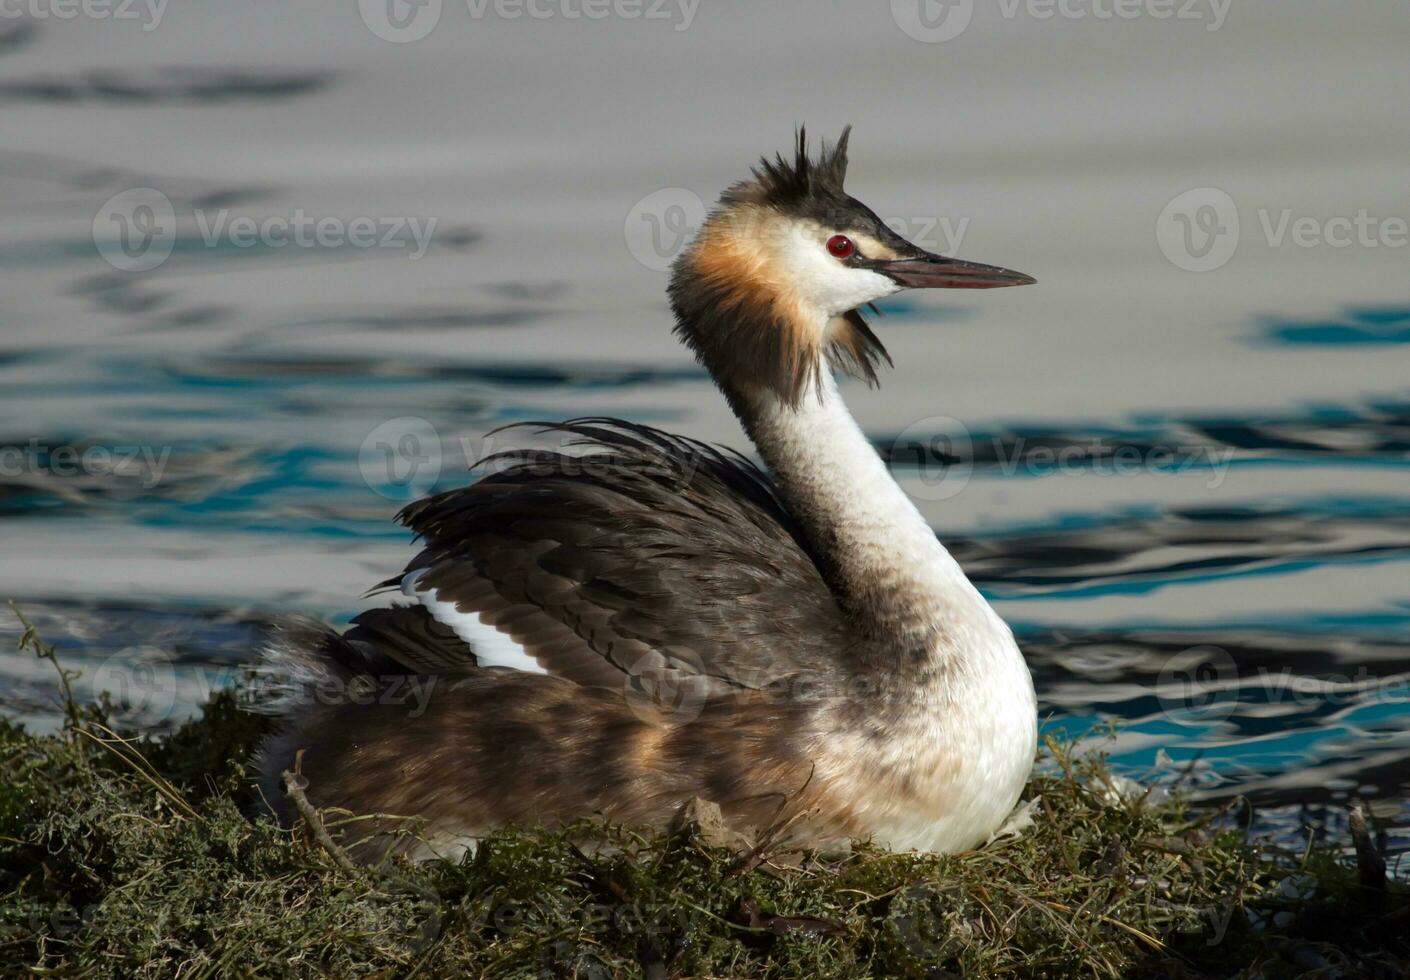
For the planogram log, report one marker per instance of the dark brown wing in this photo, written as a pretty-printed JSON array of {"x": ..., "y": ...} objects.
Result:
[
  {"x": 651, "y": 554},
  {"x": 412, "y": 637}
]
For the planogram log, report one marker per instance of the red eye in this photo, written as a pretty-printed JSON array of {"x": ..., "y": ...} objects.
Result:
[{"x": 841, "y": 246}]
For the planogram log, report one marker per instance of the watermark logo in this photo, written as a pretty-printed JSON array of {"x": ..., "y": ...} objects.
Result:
[
  {"x": 661, "y": 224},
  {"x": 302, "y": 230},
  {"x": 263, "y": 688},
  {"x": 943, "y": 234},
  {"x": 936, "y": 21},
  {"x": 139, "y": 680},
  {"x": 674, "y": 689},
  {"x": 681, "y": 11},
  {"x": 135, "y": 231},
  {"x": 1201, "y": 683},
  {"x": 1362, "y": 230},
  {"x": 1204, "y": 684},
  {"x": 1201, "y": 229},
  {"x": 401, "y": 458},
  {"x": 148, "y": 13},
  {"x": 933, "y": 21},
  {"x": 400, "y": 21},
  {"x": 940, "y": 453},
  {"x": 142, "y": 465},
  {"x": 940, "y": 456}
]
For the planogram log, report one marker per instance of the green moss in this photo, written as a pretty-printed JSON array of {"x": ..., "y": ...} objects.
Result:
[{"x": 141, "y": 858}]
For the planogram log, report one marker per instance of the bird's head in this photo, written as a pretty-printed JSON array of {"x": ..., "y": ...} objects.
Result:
[{"x": 769, "y": 291}]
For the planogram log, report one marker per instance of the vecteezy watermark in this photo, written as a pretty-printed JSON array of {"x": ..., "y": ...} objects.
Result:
[
  {"x": 941, "y": 452},
  {"x": 1200, "y": 230},
  {"x": 147, "y": 684},
  {"x": 265, "y": 687},
  {"x": 148, "y": 13},
  {"x": 402, "y": 21},
  {"x": 660, "y": 225},
  {"x": 139, "y": 681},
  {"x": 136, "y": 230},
  {"x": 402, "y": 458},
  {"x": 940, "y": 456},
  {"x": 303, "y": 230},
  {"x": 1204, "y": 683},
  {"x": 935, "y": 21},
  {"x": 680, "y": 12},
  {"x": 144, "y": 465},
  {"x": 671, "y": 688},
  {"x": 936, "y": 234},
  {"x": 1201, "y": 682}
]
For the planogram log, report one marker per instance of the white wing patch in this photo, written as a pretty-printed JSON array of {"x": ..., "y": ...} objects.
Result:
[{"x": 492, "y": 647}]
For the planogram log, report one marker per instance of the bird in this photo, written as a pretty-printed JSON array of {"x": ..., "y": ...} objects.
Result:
[{"x": 636, "y": 621}]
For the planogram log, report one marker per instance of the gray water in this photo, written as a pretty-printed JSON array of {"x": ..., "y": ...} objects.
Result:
[{"x": 1178, "y": 465}]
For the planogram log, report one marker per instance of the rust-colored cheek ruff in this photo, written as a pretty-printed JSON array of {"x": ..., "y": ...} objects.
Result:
[
  {"x": 736, "y": 309},
  {"x": 759, "y": 335}
]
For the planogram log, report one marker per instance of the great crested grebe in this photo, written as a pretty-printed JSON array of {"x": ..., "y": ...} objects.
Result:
[{"x": 620, "y": 633}]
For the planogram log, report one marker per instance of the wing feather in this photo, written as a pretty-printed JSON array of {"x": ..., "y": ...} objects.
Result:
[{"x": 648, "y": 555}]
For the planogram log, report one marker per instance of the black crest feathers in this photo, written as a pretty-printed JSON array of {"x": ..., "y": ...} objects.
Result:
[
  {"x": 741, "y": 324},
  {"x": 785, "y": 182}
]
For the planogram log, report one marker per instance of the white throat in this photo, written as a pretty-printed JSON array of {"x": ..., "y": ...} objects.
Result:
[
  {"x": 893, "y": 574},
  {"x": 965, "y": 730}
]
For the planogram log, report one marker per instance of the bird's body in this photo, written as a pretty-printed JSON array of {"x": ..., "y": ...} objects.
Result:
[{"x": 621, "y": 632}]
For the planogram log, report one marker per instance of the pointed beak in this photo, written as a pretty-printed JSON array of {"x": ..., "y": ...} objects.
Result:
[{"x": 930, "y": 271}]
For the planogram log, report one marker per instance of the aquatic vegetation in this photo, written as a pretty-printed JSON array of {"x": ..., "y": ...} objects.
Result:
[{"x": 130, "y": 856}]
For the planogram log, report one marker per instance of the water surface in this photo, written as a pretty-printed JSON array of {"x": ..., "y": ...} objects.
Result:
[{"x": 1186, "y": 490}]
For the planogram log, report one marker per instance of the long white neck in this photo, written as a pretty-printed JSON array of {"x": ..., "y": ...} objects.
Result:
[{"x": 888, "y": 569}]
